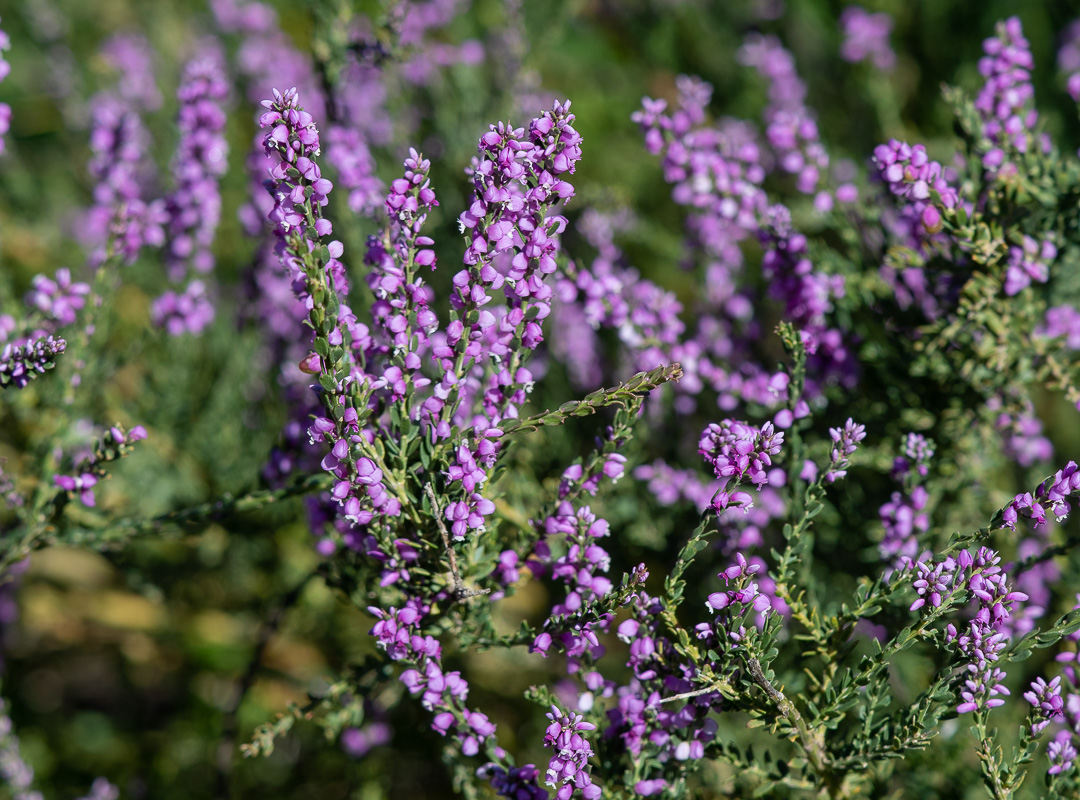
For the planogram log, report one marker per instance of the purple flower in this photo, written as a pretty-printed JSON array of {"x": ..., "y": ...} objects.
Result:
[
  {"x": 5, "y": 109},
  {"x": 1046, "y": 700},
  {"x": 983, "y": 690},
  {"x": 83, "y": 484},
  {"x": 1052, "y": 492},
  {"x": 1061, "y": 753},
  {"x": 567, "y": 769},
  {"x": 738, "y": 451},
  {"x": 58, "y": 299},
  {"x": 866, "y": 36},
  {"x": 21, "y": 363},
  {"x": 1062, "y": 321},
  {"x": 1005, "y": 101},
  {"x": 517, "y": 783},
  {"x": 188, "y": 312},
  {"x": 1030, "y": 262},
  {"x": 845, "y": 443}
]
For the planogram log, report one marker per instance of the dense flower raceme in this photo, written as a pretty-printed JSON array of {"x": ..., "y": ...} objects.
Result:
[
  {"x": 642, "y": 721},
  {"x": 610, "y": 295},
  {"x": 736, "y": 603},
  {"x": 567, "y": 769},
  {"x": 1050, "y": 495},
  {"x": 717, "y": 171},
  {"x": 790, "y": 127},
  {"x": 121, "y": 173},
  {"x": 5, "y": 109},
  {"x": 905, "y": 516},
  {"x": 912, "y": 176},
  {"x": 399, "y": 633},
  {"x": 984, "y": 637},
  {"x": 21, "y": 363},
  {"x": 738, "y": 452},
  {"x": 194, "y": 207},
  {"x": 866, "y": 37},
  {"x": 1006, "y": 100}
]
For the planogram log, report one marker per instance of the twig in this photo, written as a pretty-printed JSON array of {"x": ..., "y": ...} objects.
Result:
[
  {"x": 812, "y": 745},
  {"x": 460, "y": 592},
  {"x": 696, "y": 693}
]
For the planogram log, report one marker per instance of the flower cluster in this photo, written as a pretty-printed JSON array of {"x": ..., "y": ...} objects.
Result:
[
  {"x": 845, "y": 443},
  {"x": 118, "y": 165},
  {"x": 21, "y": 363},
  {"x": 866, "y": 37},
  {"x": 398, "y": 632},
  {"x": 984, "y": 638},
  {"x": 910, "y": 173},
  {"x": 904, "y": 516},
  {"x": 1050, "y": 495},
  {"x": 194, "y": 207},
  {"x": 738, "y": 451},
  {"x": 57, "y": 299},
  {"x": 5, "y": 109},
  {"x": 1046, "y": 701},
  {"x": 517, "y": 783},
  {"x": 567, "y": 769},
  {"x": 1005, "y": 101},
  {"x": 790, "y": 129},
  {"x": 1027, "y": 262}
]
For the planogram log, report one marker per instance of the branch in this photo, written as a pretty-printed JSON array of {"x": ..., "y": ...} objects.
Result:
[{"x": 625, "y": 394}]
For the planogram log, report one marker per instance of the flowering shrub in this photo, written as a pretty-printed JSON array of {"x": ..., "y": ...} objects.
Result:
[{"x": 737, "y": 486}]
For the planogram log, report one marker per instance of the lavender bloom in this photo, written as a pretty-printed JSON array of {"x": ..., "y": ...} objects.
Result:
[
  {"x": 610, "y": 295},
  {"x": 1051, "y": 492},
  {"x": 101, "y": 789},
  {"x": 349, "y": 153},
  {"x": 984, "y": 639},
  {"x": 790, "y": 126},
  {"x": 908, "y": 172},
  {"x": 845, "y": 443},
  {"x": 357, "y": 742},
  {"x": 1068, "y": 58},
  {"x": 1061, "y": 753},
  {"x": 517, "y": 783},
  {"x": 133, "y": 59},
  {"x": 736, "y": 602},
  {"x": 983, "y": 690},
  {"x": 188, "y": 312},
  {"x": 567, "y": 769},
  {"x": 21, "y": 363},
  {"x": 15, "y": 773},
  {"x": 1046, "y": 700},
  {"x": 194, "y": 207},
  {"x": 866, "y": 36},
  {"x": 58, "y": 299},
  {"x": 738, "y": 451},
  {"x": 1005, "y": 100},
  {"x": 513, "y": 238},
  {"x": 117, "y": 143},
  {"x": 115, "y": 444},
  {"x": 443, "y": 693},
  {"x": 5, "y": 109},
  {"x": 1021, "y": 433},
  {"x": 1062, "y": 321},
  {"x": 904, "y": 516},
  {"x": 1027, "y": 263}
]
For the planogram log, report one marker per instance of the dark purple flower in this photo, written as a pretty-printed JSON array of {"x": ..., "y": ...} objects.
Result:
[{"x": 21, "y": 363}]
